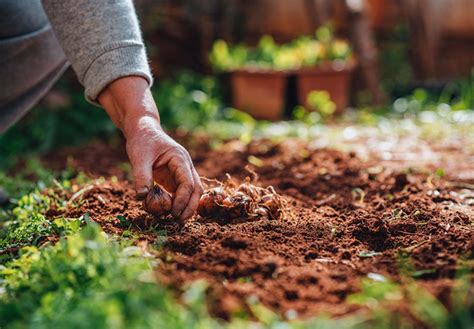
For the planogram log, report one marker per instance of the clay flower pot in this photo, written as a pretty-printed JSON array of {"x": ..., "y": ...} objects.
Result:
[
  {"x": 334, "y": 77},
  {"x": 261, "y": 93}
]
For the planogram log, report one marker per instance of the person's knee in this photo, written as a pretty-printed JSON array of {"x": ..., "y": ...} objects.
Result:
[{"x": 20, "y": 17}]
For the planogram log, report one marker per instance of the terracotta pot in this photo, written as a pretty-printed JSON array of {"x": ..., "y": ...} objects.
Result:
[
  {"x": 261, "y": 93},
  {"x": 332, "y": 77}
]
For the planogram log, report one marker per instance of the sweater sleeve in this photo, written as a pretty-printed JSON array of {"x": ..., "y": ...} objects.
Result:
[{"x": 101, "y": 39}]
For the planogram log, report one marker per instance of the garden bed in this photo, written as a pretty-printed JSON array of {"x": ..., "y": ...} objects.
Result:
[{"x": 347, "y": 224}]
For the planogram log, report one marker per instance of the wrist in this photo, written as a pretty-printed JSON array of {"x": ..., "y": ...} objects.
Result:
[
  {"x": 129, "y": 103},
  {"x": 139, "y": 122}
]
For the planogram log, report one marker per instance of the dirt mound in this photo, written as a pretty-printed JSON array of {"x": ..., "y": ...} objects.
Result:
[
  {"x": 95, "y": 159},
  {"x": 347, "y": 219},
  {"x": 344, "y": 220}
]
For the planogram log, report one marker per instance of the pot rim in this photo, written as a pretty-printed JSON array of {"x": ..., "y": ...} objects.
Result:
[
  {"x": 335, "y": 66},
  {"x": 260, "y": 71}
]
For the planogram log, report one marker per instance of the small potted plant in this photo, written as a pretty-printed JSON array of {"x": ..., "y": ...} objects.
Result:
[
  {"x": 258, "y": 81},
  {"x": 259, "y": 75},
  {"x": 327, "y": 65}
]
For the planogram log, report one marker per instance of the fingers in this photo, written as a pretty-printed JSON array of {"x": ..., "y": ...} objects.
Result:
[
  {"x": 171, "y": 166},
  {"x": 165, "y": 178},
  {"x": 143, "y": 178},
  {"x": 194, "y": 199},
  {"x": 185, "y": 182}
]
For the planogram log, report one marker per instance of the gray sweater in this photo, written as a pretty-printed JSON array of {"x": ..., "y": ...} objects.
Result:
[{"x": 101, "y": 39}]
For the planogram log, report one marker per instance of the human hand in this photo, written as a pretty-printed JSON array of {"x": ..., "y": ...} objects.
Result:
[{"x": 154, "y": 155}]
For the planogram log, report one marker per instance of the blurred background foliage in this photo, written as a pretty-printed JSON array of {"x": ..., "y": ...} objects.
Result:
[
  {"x": 304, "y": 51},
  {"x": 71, "y": 121},
  {"x": 180, "y": 36},
  {"x": 192, "y": 102}
]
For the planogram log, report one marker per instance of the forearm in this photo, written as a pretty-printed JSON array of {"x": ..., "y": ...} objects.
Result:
[{"x": 101, "y": 39}]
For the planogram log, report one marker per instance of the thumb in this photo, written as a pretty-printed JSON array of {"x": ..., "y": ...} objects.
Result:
[{"x": 143, "y": 177}]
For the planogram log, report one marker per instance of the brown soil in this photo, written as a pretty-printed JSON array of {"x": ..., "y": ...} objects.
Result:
[
  {"x": 344, "y": 219},
  {"x": 95, "y": 159}
]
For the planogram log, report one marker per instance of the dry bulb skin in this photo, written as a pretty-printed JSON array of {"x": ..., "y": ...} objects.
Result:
[
  {"x": 158, "y": 202},
  {"x": 230, "y": 201},
  {"x": 211, "y": 201}
]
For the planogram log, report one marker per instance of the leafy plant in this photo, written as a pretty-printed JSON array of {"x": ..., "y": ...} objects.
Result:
[
  {"x": 87, "y": 281},
  {"x": 303, "y": 51},
  {"x": 193, "y": 103},
  {"x": 27, "y": 225},
  {"x": 380, "y": 294},
  {"x": 320, "y": 101},
  {"x": 188, "y": 101}
]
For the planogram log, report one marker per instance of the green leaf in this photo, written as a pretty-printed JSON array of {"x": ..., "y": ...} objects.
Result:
[
  {"x": 124, "y": 222},
  {"x": 255, "y": 161},
  {"x": 420, "y": 273},
  {"x": 367, "y": 254},
  {"x": 440, "y": 172}
]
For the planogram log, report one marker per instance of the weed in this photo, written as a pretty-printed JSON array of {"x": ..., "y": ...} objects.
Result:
[
  {"x": 124, "y": 222},
  {"x": 358, "y": 195},
  {"x": 26, "y": 224},
  {"x": 368, "y": 254}
]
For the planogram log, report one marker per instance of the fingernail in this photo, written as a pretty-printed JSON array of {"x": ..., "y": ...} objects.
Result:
[{"x": 142, "y": 192}]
